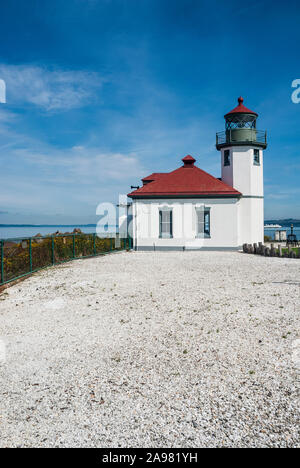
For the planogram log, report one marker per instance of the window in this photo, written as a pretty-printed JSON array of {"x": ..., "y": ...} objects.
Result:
[
  {"x": 165, "y": 223},
  {"x": 207, "y": 223},
  {"x": 256, "y": 158},
  {"x": 203, "y": 222},
  {"x": 227, "y": 158}
]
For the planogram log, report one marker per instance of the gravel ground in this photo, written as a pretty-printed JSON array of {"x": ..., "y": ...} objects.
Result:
[{"x": 165, "y": 349}]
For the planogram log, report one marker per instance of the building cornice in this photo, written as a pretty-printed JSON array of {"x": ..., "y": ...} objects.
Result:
[{"x": 179, "y": 197}]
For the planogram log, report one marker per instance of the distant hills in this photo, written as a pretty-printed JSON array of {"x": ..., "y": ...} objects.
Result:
[{"x": 284, "y": 222}]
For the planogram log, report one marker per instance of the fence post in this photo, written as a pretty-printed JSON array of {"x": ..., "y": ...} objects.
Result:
[
  {"x": 52, "y": 250},
  {"x": 74, "y": 246},
  {"x": 30, "y": 254},
  {"x": 2, "y": 260},
  {"x": 94, "y": 243}
]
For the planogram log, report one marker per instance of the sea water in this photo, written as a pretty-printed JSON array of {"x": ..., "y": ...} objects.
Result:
[{"x": 11, "y": 232}]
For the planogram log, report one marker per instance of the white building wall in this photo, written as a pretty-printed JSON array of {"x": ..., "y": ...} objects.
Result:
[
  {"x": 251, "y": 220},
  {"x": 242, "y": 174},
  {"x": 245, "y": 176},
  {"x": 223, "y": 224}
]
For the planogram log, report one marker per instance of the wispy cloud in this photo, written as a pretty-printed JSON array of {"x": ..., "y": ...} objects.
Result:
[
  {"x": 51, "y": 90},
  {"x": 6, "y": 117},
  {"x": 277, "y": 192},
  {"x": 70, "y": 180},
  {"x": 80, "y": 164}
]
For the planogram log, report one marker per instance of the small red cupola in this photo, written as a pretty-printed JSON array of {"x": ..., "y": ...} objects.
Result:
[{"x": 188, "y": 161}]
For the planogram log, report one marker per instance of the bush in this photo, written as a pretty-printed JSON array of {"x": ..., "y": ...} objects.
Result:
[{"x": 16, "y": 261}]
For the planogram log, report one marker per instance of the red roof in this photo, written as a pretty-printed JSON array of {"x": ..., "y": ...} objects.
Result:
[
  {"x": 187, "y": 181},
  {"x": 153, "y": 176},
  {"x": 241, "y": 109}
]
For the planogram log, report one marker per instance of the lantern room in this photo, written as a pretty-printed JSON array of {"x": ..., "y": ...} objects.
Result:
[{"x": 240, "y": 128}]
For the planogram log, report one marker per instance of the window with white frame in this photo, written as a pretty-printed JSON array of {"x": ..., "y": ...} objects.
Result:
[
  {"x": 203, "y": 222},
  {"x": 256, "y": 158},
  {"x": 227, "y": 158},
  {"x": 165, "y": 223}
]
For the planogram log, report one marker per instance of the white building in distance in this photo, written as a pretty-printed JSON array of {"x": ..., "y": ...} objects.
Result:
[{"x": 190, "y": 209}]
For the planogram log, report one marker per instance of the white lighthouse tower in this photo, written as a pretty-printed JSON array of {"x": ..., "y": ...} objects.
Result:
[{"x": 241, "y": 147}]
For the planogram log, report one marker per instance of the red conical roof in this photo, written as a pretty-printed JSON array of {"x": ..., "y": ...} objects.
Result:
[{"x": 241, "y": 109}]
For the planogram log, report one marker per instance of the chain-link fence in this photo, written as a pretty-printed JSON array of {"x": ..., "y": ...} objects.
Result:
[{"x": 20, "y": 257}]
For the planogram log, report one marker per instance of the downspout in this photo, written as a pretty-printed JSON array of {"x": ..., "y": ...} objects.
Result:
[{"x": 135, "y": 224}]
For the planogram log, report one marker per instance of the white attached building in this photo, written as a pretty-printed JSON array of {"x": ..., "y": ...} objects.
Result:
[{"x": 190, "y": 209}]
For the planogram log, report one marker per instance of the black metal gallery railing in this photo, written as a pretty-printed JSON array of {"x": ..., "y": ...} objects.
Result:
[{"x": 241, "y": 136}]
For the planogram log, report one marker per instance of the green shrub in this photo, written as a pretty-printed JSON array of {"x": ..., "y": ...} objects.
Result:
[{"x": 16, "y": 261}]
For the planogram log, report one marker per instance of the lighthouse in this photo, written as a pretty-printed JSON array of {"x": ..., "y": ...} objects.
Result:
[
  {"x": 189, "y": 209},
  {"x": 241, "y": 146}
]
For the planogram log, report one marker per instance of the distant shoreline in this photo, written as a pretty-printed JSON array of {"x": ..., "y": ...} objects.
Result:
[
  {"x": 24, "y": 231},
  {"x": 282, "y": 222},
  {"x": 47, "y": 225}
]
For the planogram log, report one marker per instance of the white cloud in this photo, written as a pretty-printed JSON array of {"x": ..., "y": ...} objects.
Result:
[
  {"x": 2, "y": 91},
  {"x": 277, "y": 192},
  {"x": 71, "y": 180},
  {"x": 51, "y": 90},
  {"x": 80, "y": 164},
  {"x": 6, "y": 116}
]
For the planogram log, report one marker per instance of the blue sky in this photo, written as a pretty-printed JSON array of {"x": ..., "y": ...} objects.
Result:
[{"x": 102, "y": 93}]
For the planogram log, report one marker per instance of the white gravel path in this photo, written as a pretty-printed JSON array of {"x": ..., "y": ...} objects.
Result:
[{"x": 165, "y": 349}]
